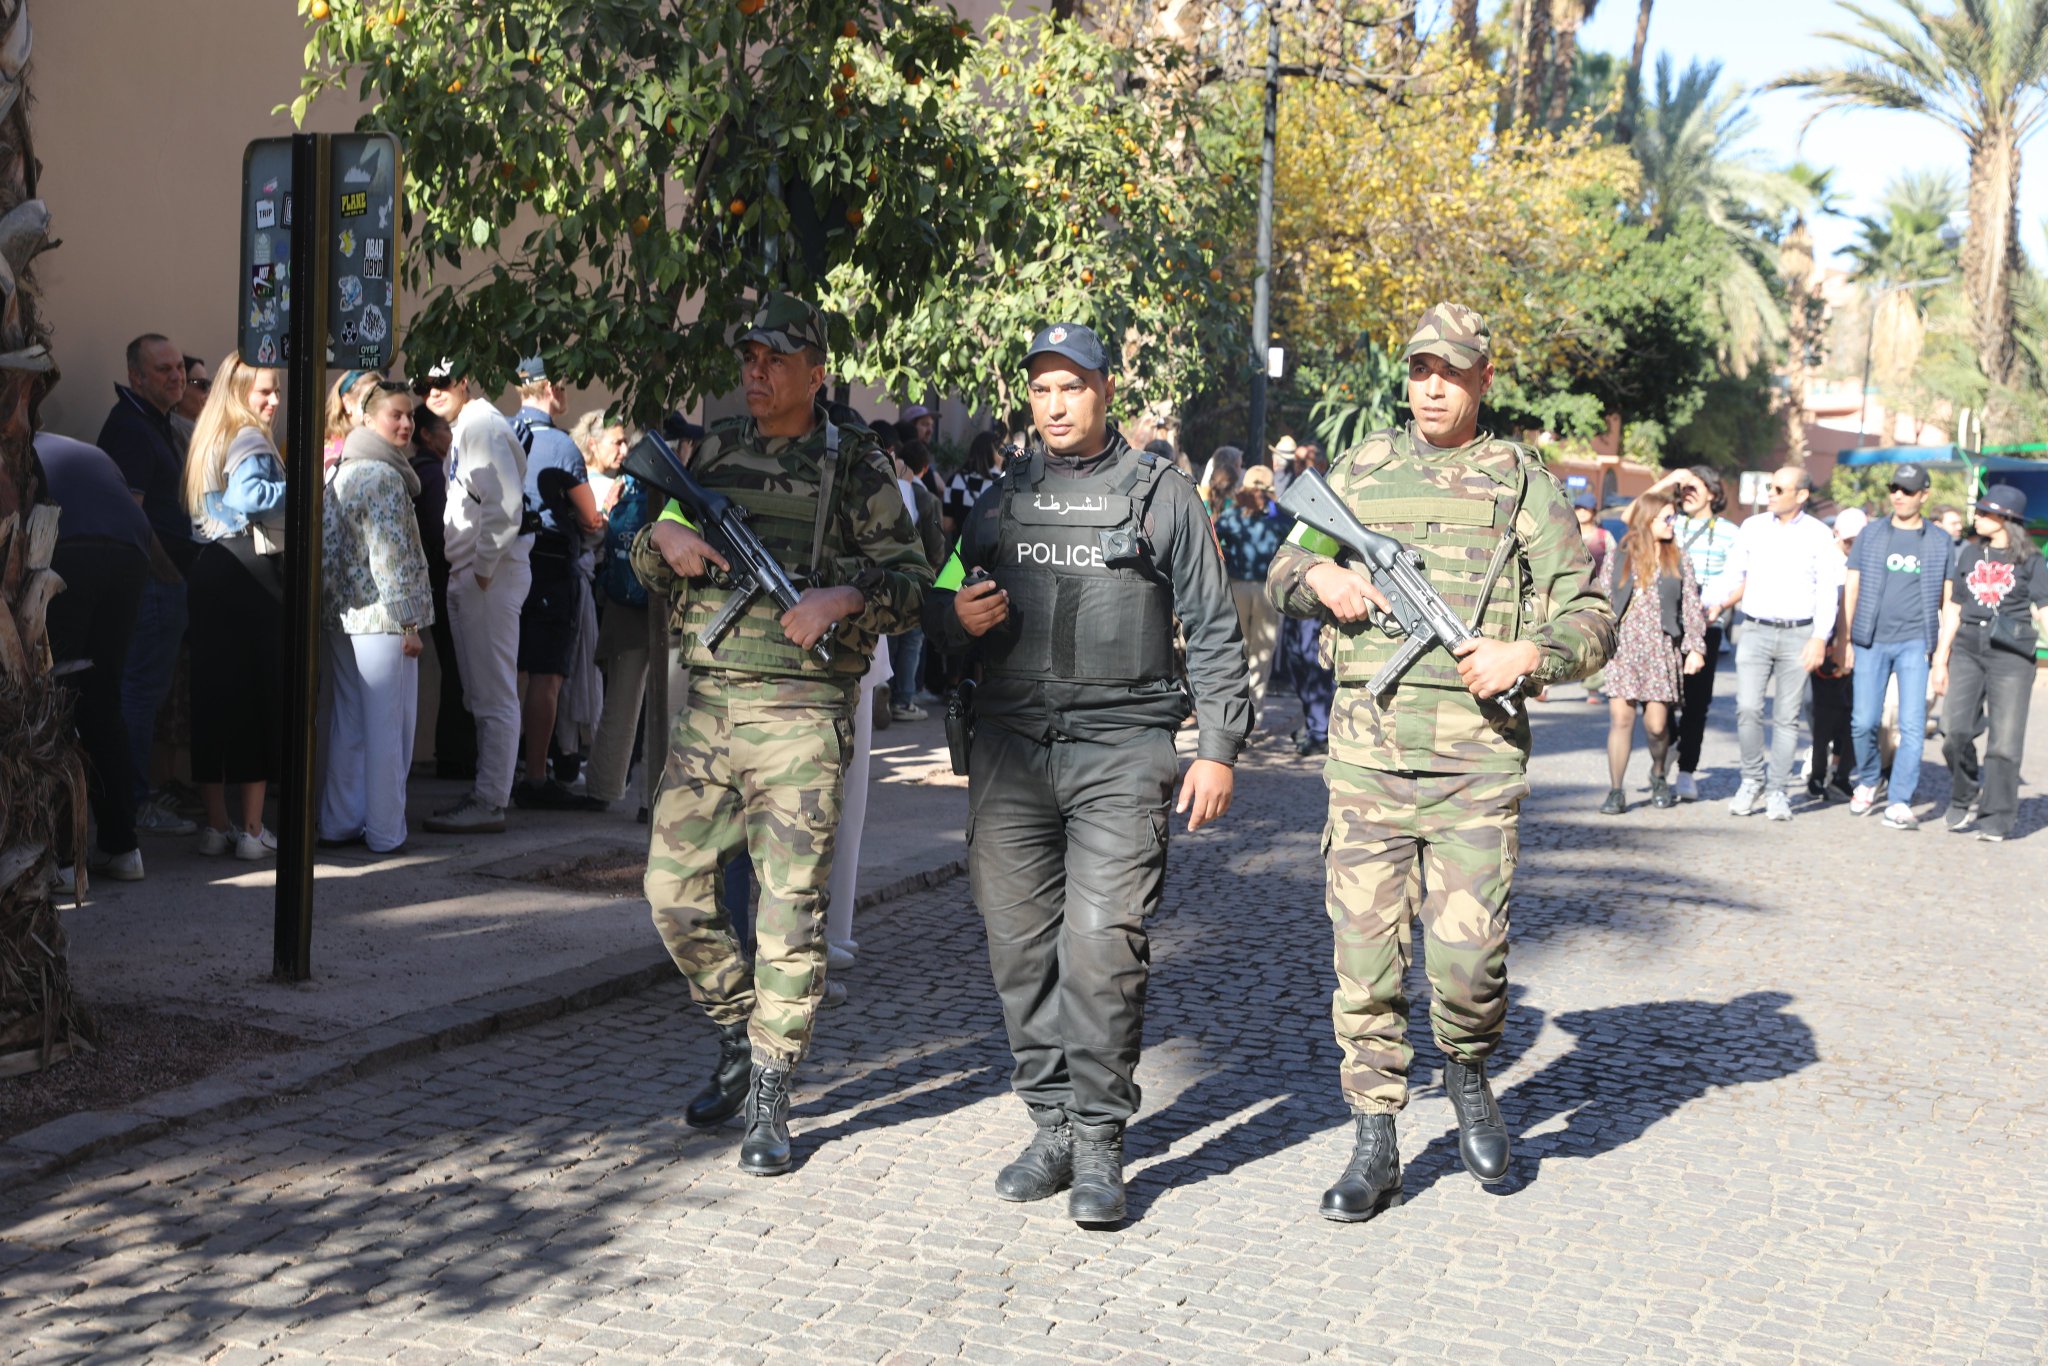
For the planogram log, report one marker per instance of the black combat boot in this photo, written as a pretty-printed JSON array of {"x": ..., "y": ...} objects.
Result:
[
  {"x": 1098, "y": 1172},
  {"x": 1046, "y": 1167},
  {"x": 1371, "y": 1183},
  {"x": 765, "y": 1149},
  {"x": 1482, "y": 1134},
  {"x": 722, "y": 1098}
]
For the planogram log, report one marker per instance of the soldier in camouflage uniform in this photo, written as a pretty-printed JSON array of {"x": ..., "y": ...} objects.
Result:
[
  {"x": 1426, "y": 782},
  {"x": 758, "y": 758}
]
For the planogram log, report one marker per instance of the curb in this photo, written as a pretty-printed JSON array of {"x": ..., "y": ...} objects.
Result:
[{"x": 67, "y": 1141}]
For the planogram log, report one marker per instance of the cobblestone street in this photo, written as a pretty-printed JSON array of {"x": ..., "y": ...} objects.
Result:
[{"x": 1776, "y": 1092}]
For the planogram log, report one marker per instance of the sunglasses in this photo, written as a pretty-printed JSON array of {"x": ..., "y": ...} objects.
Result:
[
  {"x": 1784, "y": 488},
  {"x": 422, "y": 387},
  {"x": 202, "y": 385},
  {"x": 1910, "y": 493},
  {"x": 394, "y": 386}
]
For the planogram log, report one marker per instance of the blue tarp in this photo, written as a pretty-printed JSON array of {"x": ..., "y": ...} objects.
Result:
[{"x": 1939, "y": 457}]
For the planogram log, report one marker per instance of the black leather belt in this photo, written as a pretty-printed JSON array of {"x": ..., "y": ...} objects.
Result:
[{"x": 1783, "y": 625}]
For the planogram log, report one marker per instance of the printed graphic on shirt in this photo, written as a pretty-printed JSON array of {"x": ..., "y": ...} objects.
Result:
[
  {"x": 1990, "y": 581},
  {"x": 1897, "y": 563}
]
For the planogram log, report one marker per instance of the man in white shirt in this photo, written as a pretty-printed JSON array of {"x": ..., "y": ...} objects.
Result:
[
  {"x": 488, "y": 577},
  {"x": 1787, "y": 574}
]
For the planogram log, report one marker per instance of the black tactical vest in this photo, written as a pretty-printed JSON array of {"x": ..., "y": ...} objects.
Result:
[{"x": 1087, "y": 602}]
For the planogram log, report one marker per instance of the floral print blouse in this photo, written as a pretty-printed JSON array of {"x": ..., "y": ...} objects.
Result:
[{"x": 373, "y": 569}]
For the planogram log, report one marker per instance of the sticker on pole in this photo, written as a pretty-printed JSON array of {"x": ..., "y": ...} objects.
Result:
[{"x": 363, "y": 247}]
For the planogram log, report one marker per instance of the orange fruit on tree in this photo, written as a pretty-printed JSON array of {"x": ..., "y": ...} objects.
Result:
[
  {"x": 1087, "y": 277},
  {"x": 851, "y": 30},
  {"x": 1216, "y": 275},
  {"x": 641, "y": 224},
  {"x": 319, "y": 11},
  {"x": 854, "y": 217},
  {"x": 751, "y": 6},
  {"x": 738, "y": 207},
  {"x": 455, "y": 86},
  {"x": 848, "y": 70}
]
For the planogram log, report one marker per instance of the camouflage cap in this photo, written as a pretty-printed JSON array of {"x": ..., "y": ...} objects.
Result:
[
  {"x": 1454, "y": 332},
  {"x": 786, "y": 324}
]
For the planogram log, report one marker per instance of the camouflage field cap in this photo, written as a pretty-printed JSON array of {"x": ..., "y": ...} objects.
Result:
[
  {"x": 1454, "y": 332},
  {"x": 786, "y": 324}
]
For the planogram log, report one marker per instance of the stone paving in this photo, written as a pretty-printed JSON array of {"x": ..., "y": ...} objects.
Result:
[{"x": 1776, "y": 1092}]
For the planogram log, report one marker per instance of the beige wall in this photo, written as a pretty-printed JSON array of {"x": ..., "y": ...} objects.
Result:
[{"x": 141, "y": 110}]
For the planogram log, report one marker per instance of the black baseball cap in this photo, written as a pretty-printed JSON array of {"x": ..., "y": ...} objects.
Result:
[
  {"x": 2003, "y": 500},
  {"x": 1077, "y": 343},
  {"x": 1911, "y": 478}
]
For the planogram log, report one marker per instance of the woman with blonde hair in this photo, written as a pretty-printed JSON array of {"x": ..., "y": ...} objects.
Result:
[
  {"x": 377, "y": 599},
  {"x": 623, "y": 648},
  {"x": 234, "y": 491},
  {"x": 345, "y": 409},
  {"x": 1661, "y": 629}
]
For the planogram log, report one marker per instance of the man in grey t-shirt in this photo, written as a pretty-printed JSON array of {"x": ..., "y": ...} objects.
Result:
[{"x": 1891, "y": 604}]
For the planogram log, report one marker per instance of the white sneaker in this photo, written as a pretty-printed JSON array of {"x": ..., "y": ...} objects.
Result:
[
  {"x": 1746, "y": 798},
  {"x": 120, "y": 867},
  {"x": 213, "y": 843},
  {"x": 261, "y": 845},
  {"x": 158, "y": 817},
  {"x": 1899, "y": 816},
  {"x": 1687, "y": 787},
  {"x": 1778, "y": 807},
  {"x": 909, "y": 711},
  {"x": 1863, "y": 800},
  {"x": 838, "y": 959}
]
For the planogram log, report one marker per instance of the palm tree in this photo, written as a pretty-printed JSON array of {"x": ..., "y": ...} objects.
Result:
[
  {"x": 1805, "y": 310},
  {"x": 1916, "y": 237},
  {"x": 1980, "y": 69},
  {"x": 1689, "y": 149},
  {"x": 1565, "y": 18},
  {"x": 39, "y": 767},
  {"x": 1632, "y": 90}
]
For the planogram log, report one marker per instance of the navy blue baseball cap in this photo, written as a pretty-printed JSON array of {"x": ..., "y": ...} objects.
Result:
[{"x": 1077, "y": 343}]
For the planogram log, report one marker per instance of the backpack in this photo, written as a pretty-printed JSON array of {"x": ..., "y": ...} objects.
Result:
[{"x": 633, "y": 509}]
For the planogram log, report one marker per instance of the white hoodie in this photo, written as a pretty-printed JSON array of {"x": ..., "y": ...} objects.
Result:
[{"x": 486, "y": 492}]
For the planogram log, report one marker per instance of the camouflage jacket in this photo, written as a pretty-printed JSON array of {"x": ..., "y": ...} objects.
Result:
[
  {"x": 1454, "y": 507},
  {"x": 870, "y": 545}
]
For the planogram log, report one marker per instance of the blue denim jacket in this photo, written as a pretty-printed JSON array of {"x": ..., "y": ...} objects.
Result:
[{"x": 253, "y": 492}]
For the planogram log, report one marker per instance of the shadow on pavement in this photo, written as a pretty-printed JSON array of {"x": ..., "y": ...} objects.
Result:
[{"x": 1632, "y": 1067}]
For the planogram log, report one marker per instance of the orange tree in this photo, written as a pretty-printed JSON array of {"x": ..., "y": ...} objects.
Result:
[{"x": 617, "y": 179}]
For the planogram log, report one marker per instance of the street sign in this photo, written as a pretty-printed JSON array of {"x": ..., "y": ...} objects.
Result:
[
  {"x": 1755, "y": 490},
  {"x": 359, "y": 253},
  {"x": 362, "y": 309},
  {"x": 1575, "y": 482},
  {"x": 265, "y": 302}
]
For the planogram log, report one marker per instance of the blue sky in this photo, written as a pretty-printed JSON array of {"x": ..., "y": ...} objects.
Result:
[{"x": 1757, "y": 40}]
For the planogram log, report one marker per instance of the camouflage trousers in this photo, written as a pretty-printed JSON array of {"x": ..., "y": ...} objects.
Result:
[
  {"x": 1399, "y": 845},
  {"x": 755, "y": 765}
]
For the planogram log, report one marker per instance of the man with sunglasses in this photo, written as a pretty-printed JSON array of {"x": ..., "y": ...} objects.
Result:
[
  {"x": 1892, "y": 600},
  {"x": 758, "y": 757},
  {"x": 1787, "y": 574}
]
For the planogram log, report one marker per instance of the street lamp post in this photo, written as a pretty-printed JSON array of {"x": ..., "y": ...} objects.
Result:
[
  {"x": 1870, "y": 341},
  {"x": 1262, "y": 288}
]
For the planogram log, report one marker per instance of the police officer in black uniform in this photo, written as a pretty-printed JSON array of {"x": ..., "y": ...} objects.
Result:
[{"x": 1091, "y": 548}]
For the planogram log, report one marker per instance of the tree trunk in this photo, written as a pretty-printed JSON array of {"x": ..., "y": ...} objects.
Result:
[
  {"x": 1565, "y": 17},
  {"x": 41, "y": 776},
  {"x": 1632, "y": 93},
  {"x": 1803, "y": 316},
  {"x": 1533, "y": 53},
  {"x": 1991, "y": 246},
  {"x": 1465, "y": 19}
]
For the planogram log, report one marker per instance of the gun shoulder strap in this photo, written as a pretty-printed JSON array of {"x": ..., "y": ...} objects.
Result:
[
  {"x": 1510, "y": 543},
  {"x": 828, "y": 468}
]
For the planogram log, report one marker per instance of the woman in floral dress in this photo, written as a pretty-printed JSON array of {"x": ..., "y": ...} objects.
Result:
[
  {"x": 378, "y": 599},
  {"x": 1662, "y": 630}
]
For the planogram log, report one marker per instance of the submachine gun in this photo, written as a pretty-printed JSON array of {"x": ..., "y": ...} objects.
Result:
[
  {"x": 1396, "y": 570},
  {"x": 722, "y": 522}
]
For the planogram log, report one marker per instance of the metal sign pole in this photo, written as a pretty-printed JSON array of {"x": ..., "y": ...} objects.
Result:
[{"x": 312, "y": 169}]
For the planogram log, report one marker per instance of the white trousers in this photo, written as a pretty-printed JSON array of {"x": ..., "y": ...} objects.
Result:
[
  {"x": 853, "y": 808},
  {"x": 370, "y": 723},
  {"x": 485, "y": 622}
]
